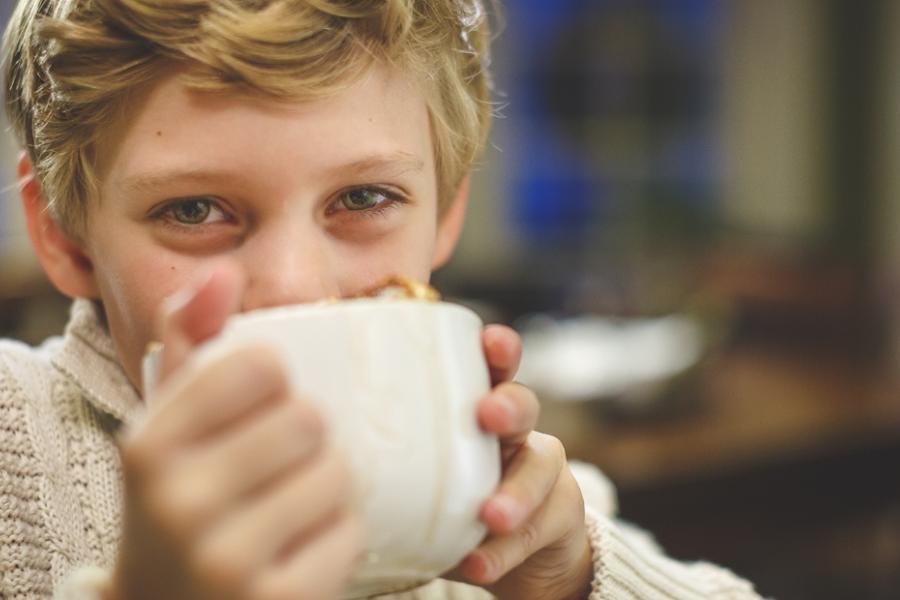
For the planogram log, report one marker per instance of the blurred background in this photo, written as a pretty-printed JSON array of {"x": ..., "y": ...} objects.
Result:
[{"x": 691, "y": 212}]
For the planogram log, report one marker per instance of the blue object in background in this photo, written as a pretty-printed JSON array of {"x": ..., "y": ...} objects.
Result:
[{"x": 613, "y": 105}]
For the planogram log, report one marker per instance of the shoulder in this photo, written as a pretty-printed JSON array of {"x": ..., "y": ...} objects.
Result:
[
  {"x": 25, "y": 375},
  {"x": 27, "y": 383},
  {"x": 27, "y": 379},
  {"x": 25, "y": 371}
]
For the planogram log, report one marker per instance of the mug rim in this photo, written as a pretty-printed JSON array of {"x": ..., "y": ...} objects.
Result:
[{"x": 291, "y": 311}]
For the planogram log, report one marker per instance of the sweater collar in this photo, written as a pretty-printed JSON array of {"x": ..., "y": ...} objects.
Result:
[{"x": 88, "y": 356}]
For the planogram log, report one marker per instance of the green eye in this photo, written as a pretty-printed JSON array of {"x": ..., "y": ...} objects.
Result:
[
  {"x": 362, "y": 199},
  {"x": 191, "y": 212}
]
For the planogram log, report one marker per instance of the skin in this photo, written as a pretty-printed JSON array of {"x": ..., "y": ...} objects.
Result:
[{"x": 215, "y": 204}]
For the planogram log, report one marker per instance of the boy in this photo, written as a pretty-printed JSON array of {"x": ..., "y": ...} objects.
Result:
[{"x": 189, "y": 159}]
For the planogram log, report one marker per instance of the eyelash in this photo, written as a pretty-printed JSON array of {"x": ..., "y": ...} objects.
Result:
[
  {"x": 165, "y": 215},
  {"x": 392, "y": 200}
]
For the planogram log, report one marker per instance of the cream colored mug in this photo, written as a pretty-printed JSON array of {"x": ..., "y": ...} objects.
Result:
[{"x": 397, "y": 382}]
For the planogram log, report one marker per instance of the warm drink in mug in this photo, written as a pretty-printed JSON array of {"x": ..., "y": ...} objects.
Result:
[{"x": 397, "y": 382}]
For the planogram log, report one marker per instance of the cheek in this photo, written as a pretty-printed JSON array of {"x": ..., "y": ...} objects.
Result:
[
  {"x": 132, "y": 288},
  {"x": 141, "y": 279},
  {"x": 407, "y": 253}
]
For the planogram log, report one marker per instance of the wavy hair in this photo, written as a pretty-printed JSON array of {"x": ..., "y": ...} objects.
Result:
[{"x": 70, "y": 65}]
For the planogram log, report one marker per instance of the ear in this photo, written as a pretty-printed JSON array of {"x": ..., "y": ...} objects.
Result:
[
  {"x": 63, "y": 260},
  {"x": 450, "y": 225}
]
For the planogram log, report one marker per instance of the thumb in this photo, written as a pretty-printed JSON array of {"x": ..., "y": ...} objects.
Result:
[{"x": 195, "y": 314}]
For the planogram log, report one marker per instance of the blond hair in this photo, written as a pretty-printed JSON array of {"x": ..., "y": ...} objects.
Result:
[{"x": 69, "y": 66}]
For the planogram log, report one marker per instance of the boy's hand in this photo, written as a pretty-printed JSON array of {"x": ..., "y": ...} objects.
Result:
[
  {"x": 230, "y": 491},
  {"x": 538, "y": 546}
]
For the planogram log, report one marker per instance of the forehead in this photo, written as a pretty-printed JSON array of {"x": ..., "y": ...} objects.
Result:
[{"x": 380, "y": 118}]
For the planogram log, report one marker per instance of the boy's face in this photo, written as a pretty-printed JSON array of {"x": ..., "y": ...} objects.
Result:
[{"x": 312, "y": 200}]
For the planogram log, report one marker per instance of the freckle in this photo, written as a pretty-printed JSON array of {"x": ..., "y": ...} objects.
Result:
[{"x": 159, "y": 134}]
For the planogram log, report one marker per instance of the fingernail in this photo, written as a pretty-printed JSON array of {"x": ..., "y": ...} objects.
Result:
[
  {"x": 151, "y": 364},
  {"x": 475, "y": 567}
]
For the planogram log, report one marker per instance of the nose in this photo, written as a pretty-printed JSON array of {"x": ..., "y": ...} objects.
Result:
[{"x": 287, "y": 264}]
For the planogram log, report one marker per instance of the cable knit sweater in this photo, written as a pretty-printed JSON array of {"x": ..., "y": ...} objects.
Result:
[{"x": 61, "y": 486}]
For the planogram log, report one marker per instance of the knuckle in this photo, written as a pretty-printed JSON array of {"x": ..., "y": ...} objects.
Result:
[
  {"x": 549, "y": 447},
  {"x": 180, "y": 503},
  {"x": 569, "y": 483},
  {"x": 528, "y": 537},
  {"x": 264, "y": 364},
  {"x": 328, "y": 477},
  {"x": 219, "y": 565},
  {"x": 496, "y": 567},
  {"x": 307, "y": 419},
  {"x": 523, "y": 391},
  {"x": 514, "y": 390},
  {"x": 570, "y": 487},
  {"x": 525, "y": 399},
  {"x": 559, "y": 450},
  {"x": 251, "y": 362}
]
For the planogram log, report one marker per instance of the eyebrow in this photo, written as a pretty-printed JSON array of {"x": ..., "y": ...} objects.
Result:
[
  {"x": 386, "y": 165},
  {"x": 153, "y": 180},
  {"x": 396, "y": 163}
]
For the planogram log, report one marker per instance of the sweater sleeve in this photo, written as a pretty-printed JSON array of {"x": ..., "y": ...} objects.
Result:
[
  {"x": 628, "y": 564},
  {"x": 84, "y": 583},
  {"x": 37, "y": 557},
  {"x": 26, "y": 556}
]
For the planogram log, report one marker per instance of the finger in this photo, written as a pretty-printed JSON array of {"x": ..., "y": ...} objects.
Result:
[
  {"x": 551, "y": 522},
  {"x": 499, "y": 555},
  {"x": 294, "y": 508},
  {"x": 510, "y": 411},
  {"x": 527, "y": 482},
  {"x": 247, "y": 458},
  {"x": 318, "y": 569},
  {"x": 200, "y": 400},
  {"x": 502, "y": 351},
  {"x": 197, "y": 313}
]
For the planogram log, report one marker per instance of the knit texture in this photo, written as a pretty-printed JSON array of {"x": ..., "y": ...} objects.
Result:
[
  {"x": 61, "y": 486},
  {"x": 60, "y": 481}
]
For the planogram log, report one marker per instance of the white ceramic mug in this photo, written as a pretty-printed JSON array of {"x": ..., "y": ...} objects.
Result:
[{"x": 397, "y": 382}]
